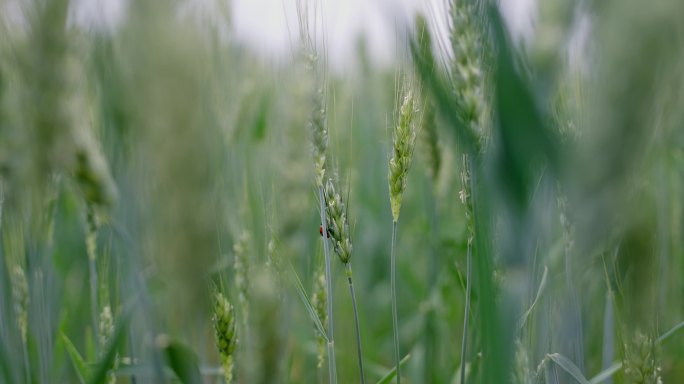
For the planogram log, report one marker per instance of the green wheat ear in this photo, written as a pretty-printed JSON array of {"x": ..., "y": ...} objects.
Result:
[
  {"x": 319, "y": 302},
  {"x": 242, "y": 249},
  {"x": 20, "y": 296},
  {"x": 338, "y": 225},
  {"x": 106, "y": 330},
  {"x": 640, "y": 360},
  {"x": 404, "y": 137},
  {"x": 226, "y": 334},
  {"x": 317, "y": 124}
]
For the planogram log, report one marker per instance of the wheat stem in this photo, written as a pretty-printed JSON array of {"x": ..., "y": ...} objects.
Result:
[
  {"x": 468, "y": 185},
  {"x": 356, "y": 322},
  {"x": 466, "y": 315},
  {"x": 91, "y": 247},
  {"x": 332, "y": 370},
  {"x": 393, "y": 289}
]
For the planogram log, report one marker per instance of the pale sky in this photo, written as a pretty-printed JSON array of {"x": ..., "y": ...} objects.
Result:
[{"x": 270, "y": 27}]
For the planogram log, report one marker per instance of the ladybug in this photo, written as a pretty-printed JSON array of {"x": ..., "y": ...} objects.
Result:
[{"x": 320, "y": 231}]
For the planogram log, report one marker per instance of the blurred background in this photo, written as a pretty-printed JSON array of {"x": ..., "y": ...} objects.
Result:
[{"x": 156, "y": 154}]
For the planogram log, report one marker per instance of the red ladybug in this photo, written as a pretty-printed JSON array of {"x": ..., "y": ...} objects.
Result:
[{"x": 320, "y": 231}]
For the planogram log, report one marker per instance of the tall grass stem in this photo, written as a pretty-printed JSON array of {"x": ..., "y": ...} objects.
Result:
[
  {"x": 466, "y": 315},
  {"x": 332, "y": 370},
  {"x": 429, "y": 372},
  {"x": 393, "y": 289},
  {"x": 356, "y": 323}
]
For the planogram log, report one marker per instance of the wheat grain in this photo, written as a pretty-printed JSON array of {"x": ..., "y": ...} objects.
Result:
[
  {"x": 226, "y": 334},
  {"x": 404, "y": 137}
]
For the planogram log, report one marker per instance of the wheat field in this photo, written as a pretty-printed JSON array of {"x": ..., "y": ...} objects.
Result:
[{"x": 177, "y": 209}]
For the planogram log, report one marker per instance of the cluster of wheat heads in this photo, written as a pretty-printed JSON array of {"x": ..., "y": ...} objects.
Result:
[
  {"x": 161, "y": 221},
  {"x": 524, "y": 156}
]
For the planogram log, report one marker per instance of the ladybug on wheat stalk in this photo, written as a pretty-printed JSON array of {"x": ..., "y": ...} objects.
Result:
[{"x": 320, "y": 231}]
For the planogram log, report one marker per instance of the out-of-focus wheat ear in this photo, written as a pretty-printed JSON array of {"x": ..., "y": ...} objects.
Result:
[
  {"x": 91, "y": 172},
  {"x": 20, "y": 295},
  {"x": 106, "y": 330},
  {"x": 319, "y": 134},
  {"x": 241, "y": 252},
  {"x": 404, "y": 138},
  {"x": 317, "y": 124},
  {"x": 273, "y": 259},
  {"x": 430, "y": 145},
  {"x": 319, "y": 302},
  {"x": 467, "y": 72},
  {"x": 225, "y": 331},
  {"x": 522, "y": 372},
  {"x": 640, "y": 359}
]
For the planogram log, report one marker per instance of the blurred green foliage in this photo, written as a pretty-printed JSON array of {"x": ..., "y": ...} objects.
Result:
[{"x": 175, "y": 139}]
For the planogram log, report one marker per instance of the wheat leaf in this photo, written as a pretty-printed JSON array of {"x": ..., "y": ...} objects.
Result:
[{"x": 569, "y": 367}]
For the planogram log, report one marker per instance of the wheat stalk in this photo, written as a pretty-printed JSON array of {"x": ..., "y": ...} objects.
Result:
[
  {"x": 318, "y": 127},
  {"x": 340, "y": 235},
  {"x": 404, "y": 137}
]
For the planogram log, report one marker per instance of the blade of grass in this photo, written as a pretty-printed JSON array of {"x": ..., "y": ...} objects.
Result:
[
  {"x": 606, "y": 373},
  {"x": 307, "y": 303},
  {"x": 568, "y": 366},
  {"x": 671, "y": 332},
  {"x": 183, "y": 361},
  {"x": 391, "y": 374},
  {"x": 80, "y": 366},
  {"x": 542, "y": 285}
]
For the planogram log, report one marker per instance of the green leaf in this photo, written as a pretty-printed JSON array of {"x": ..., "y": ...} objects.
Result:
[
  {"x": 82, "y": 369},
  {"x": 671, "y": 332},
  {"x": 443, "y": 96},
  {"x": 542, "y": 285},
  {"x": 606, "y": 373},
  {"x": 569, "y": 367},
  {"x": 391, "y": 374},
  {"x": 183, "y": 361},
  {"x": 307, "y": 303},
  {"x": 524, "y": 142}
]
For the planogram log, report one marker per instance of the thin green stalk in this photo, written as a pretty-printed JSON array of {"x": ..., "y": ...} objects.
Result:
[
  {"x": 356, "y": 322},
  {"x": 466, "y": 315},
  {"x": 92, "y": 270},
  {"x": 467, "y": 176},
  {"x": 27, "y": 363},
  {"x": 91, "y": 245},
  {"x": 332, "y": 370},
  {"x": 430, "y": 326},
  {"x": 608, "y": 342},
  {"x": 393, "y": 289}
]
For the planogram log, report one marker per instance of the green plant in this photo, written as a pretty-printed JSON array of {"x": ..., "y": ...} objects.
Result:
[
  {"x": 340, "y": 236},
  {"x": 225, "y": 331},
  {"x": 404, "y": 137}
]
